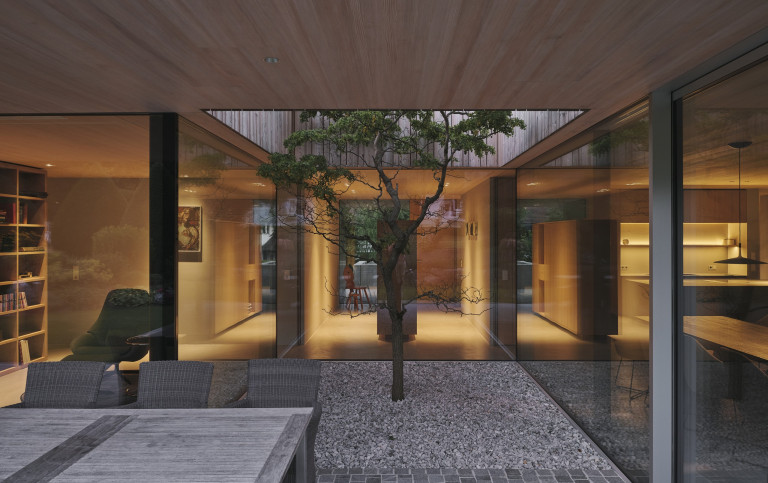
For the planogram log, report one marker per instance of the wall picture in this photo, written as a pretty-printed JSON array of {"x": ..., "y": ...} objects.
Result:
[{"x": 189, "y": 242}]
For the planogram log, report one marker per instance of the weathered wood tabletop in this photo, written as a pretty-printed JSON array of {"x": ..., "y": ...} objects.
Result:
[{"x": 191, "y": 445}]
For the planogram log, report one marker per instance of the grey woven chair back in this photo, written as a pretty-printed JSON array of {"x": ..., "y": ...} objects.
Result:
[
  {"x": 63, "y": 384},
  {"x": 282, "y": 383},
  {"x": 174, "y": 384}
]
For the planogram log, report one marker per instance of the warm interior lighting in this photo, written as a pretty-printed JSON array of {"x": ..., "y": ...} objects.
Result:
[{"x": 739, "y": 260}]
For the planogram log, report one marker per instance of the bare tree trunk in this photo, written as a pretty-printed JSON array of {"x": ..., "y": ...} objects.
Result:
[
  {"x": 398, "y": 392},
  {"x": 393, "y": 281}
]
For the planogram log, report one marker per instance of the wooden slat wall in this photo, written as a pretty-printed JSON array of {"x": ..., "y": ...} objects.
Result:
[{"x": 268, "y": 129}]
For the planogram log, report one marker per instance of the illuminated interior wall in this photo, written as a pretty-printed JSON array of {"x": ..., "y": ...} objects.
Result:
[
  {"x": 321, "y": 275},
  {"x": 475, "y": 253},
  {"x": 436, "y": 252},
  {"x": 214, "y": 289}
]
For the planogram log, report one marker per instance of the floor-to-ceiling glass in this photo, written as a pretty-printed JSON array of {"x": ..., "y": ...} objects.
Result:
[
  {"x": 227, "y": 246},
  {"x": 724, "y": 344},
  {"x": 583, "y": 279},
  {"x": 74, "y": 249},
  {"x": 452, "y": 252}
]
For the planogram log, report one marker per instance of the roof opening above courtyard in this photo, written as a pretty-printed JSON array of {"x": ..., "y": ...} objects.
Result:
[{"x": 268, "y": 130}]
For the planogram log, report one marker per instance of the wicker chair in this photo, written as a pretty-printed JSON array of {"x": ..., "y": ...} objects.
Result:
[
  {"x": 62, "y": 384},
  {"x": 286, "y": 383},
  {"x": 173, "y": 385}
]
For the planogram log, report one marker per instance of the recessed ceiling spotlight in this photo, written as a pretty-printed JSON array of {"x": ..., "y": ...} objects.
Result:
[
  {"x": 258, "y": 184},
  {"x": 271, "y": 60},
  {"x": 632, "y": 184},
  {"x": 48, "y": 165},
  {"x": 534, "y": 183},
  {"x": 603, "y": 190}
]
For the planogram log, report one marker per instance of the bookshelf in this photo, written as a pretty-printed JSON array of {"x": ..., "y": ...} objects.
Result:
[{"x": 23, "y": 266}]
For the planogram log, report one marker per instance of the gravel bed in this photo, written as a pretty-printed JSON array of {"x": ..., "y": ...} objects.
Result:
[{"x": 455, "y": 415}]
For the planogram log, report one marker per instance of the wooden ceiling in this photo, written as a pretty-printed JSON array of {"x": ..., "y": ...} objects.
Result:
[{"x": 95, "y": 56}]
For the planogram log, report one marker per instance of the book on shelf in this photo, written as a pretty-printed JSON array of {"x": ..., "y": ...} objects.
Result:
[
  {"x": 23, "y": 300},
  {"x": 8, "y": 213},
  {"x": 7, "y": 302},
  {"x": 24, "y": 356},
  {"x": 23, "y": 213}
]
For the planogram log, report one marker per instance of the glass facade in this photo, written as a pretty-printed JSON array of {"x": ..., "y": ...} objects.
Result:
[
  {"x": 227, "y": 245},
  {"x": 583, "y": 278},
  {"x": 724, "y": 324},
  {"x": 452, "y": 251},
  {"x": 74, "y": 205}
]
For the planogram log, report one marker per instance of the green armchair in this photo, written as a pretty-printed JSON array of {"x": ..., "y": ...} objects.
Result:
[{"x": 125, "y": 314}]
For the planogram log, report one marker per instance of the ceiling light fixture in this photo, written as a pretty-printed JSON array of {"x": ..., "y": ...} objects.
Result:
[
  {"x": 49, "y": 165},
  {"x": 740, "y": 260},
  {"x": 271, "y": 60}
]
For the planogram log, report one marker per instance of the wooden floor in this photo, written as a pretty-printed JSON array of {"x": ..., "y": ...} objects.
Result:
[{"x": 440, "y": 336}]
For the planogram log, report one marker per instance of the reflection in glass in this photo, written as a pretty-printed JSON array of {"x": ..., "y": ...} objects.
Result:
[
  {"x": 724, "y": 378},
  {"x": 82, "y": 257},
  {"x": 583, "y": 279},
  {"x": 227, "y": 252}
]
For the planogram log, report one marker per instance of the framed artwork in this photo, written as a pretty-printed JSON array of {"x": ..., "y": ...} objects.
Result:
[{"x": 190, "y": 230}]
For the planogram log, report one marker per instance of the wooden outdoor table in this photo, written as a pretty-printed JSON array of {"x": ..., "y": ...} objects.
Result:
[{"x": 190, "y": 445}]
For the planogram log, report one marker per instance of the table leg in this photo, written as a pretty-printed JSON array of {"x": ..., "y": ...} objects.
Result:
[{"x": 301, "y": 461}]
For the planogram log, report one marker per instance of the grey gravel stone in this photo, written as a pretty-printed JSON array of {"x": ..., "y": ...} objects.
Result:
[{"x": 455, "y": 415}]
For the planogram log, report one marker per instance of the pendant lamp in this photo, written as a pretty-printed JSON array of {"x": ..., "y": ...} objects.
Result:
[{"x": 740, "y": 260}]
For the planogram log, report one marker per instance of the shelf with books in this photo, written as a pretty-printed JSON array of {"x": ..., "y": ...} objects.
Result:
[{"x": 23, "y": 266}]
